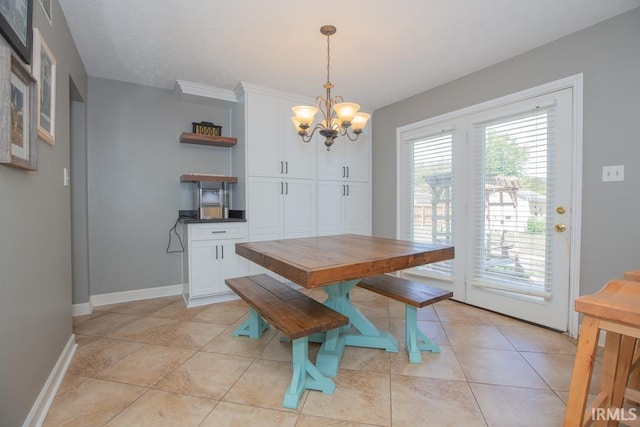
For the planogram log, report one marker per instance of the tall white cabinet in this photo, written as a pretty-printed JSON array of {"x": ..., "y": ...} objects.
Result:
[{"x": 281, "y": 170}]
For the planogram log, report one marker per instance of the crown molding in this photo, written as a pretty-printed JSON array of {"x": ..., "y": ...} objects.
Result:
[
  {"x": 245, "y": 87},
  {"x": 184, "y": 88}
]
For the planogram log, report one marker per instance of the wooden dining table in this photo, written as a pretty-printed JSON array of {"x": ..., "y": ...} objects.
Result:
[{"x": 336, "y": 264}]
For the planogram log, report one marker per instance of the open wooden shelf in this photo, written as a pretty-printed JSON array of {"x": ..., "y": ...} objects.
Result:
[
  {"x": 214, "y": 141},
  {"x": 194, "y": 177}
]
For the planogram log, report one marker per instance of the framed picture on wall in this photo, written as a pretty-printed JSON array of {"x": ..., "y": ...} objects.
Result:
[
  {"x": 44, "y": 70},
  {"x": 18, "y": 135},
  {"x": 15, "y": 25},
  {"x": 46, "y": 6}
]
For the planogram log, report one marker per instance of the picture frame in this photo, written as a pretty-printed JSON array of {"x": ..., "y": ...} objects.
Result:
[
  {"x": 47, "y": 6},
  {"x": 44, "y": 70},
  {"x": 18, "y": 134},
  {"x": 15, "y": 26}
]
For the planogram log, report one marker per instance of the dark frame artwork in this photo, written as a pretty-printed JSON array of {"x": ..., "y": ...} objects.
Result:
[
  {"x": 18, "y": 120},
  {"x": 15, "y": 26}
]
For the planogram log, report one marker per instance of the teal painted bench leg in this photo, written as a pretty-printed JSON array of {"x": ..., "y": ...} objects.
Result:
[
  {"x": 253, "y": 327},
  {"x": 305, "y": 375},
  {"x": 416, "y": 340}
]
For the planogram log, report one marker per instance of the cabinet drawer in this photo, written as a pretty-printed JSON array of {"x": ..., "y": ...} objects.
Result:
[{"x": 218, "y": 231}]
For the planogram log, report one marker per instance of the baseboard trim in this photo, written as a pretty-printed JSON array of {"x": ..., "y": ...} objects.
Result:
[
  {"x": 81, "y": 309},
  {"x": 136, "y": 295},
  {"x": 41, "y": 407}
]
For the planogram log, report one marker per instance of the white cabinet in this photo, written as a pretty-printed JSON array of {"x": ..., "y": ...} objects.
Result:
[
  {"x": 344, "y": 207},
  {"x": 274, "y": 149},
  {"x": 347, "y": 160},
  {"x": 209, "y": 259},
  {"x": 281, "y": 208}
]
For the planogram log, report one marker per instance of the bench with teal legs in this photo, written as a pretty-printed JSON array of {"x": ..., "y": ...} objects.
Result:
[
  {"x": 296, "y": 316},
  {"x": 414, "y": 295}
]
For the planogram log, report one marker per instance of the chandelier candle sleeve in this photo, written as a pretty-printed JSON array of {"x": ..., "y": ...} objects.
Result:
[{"x": 337, "y": 116}]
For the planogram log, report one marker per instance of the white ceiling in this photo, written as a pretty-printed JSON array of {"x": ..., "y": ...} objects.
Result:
[{"x": 384, "y": 51}]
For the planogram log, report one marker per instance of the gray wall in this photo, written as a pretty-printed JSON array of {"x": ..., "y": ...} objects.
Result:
[
  {"x": 35, "y": 247},
  {"x": 134, "y": 165},
  {"x": 609, "y": 56}
]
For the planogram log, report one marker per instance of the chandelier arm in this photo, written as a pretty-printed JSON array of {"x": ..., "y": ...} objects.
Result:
[{"x": 348, "y": 135}]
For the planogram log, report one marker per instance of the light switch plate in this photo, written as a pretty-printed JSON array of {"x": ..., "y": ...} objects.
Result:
[{"x": 613, "y": 173}]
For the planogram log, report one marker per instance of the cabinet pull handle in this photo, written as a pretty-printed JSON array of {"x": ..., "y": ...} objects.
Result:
[
  {"x": 287, "y": 187},
  {"x": 347, "y": 171},
  {"x": 344, "y": 172},
  {"x": 281, "y": 166},
  {"x": 222, "y": 251},
  {"x": 347, "y": 189},
  {"x": 344, "y": 190},
  {"x": 286, "y": 164},
  {"x": 218, "y": 231},
  {"x": 216, "y": 251},
  {"x": 281, "y": 188}
]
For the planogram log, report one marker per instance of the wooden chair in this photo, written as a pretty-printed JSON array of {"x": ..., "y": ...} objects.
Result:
[
  {"x": 634, "y": 376},
  {"x": 616, "y": 310}
]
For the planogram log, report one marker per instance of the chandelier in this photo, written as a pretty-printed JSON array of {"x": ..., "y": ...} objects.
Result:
[{"x": 339, "y": 118}]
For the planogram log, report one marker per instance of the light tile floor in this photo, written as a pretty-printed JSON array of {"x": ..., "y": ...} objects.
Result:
[{"x": 157, "y": 363}]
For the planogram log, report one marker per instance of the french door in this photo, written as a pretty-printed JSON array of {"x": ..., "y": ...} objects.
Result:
[{"x": 497, "y": 184}]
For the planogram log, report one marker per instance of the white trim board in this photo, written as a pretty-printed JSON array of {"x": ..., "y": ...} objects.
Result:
[
  {"x": 40, "y": 408},
  {"x": 135, "y": 295}
]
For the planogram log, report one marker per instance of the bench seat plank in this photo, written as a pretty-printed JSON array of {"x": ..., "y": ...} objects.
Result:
[
  {"x": 412, "y": 293},
  {"x": 293, "y": 313}
]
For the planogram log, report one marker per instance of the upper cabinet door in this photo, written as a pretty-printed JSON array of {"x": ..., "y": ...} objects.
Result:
[
  {"x": 347, "y": 160},
  {"x": 298, "y": 157},
  {"x": 331, "y": 165},
  {"x": 274, "y": 148},
  {"x": 357, "y": 157},
  {"x": 263, "y": 117}
]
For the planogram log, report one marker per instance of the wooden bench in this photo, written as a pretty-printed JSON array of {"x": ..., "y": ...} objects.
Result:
[
  {"x": 295, "y": 315},
  {"x": 414, "y": 295}
]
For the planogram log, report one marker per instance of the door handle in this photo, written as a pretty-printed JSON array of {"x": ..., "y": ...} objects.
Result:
[
  {"x": 561, "y": 210},
  {"x": 560, "y": 228}
]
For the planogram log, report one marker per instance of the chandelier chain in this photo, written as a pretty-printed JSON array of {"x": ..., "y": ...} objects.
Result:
[{"x": 328, "y": 59}]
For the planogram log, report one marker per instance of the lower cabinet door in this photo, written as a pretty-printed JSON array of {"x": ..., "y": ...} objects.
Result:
[
  {"x": 205, "y": 268},
  {"x": 231, "y": 265}
]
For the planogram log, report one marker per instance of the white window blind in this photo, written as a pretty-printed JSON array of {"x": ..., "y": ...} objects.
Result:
[
  {"x": 428, "y": 193},
  {"x": 512, "y": 197}
]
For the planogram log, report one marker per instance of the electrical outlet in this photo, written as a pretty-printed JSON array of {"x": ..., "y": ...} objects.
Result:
[{"x": 613, "y": 173}]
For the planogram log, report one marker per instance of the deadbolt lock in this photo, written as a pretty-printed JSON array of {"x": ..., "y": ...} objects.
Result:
[
  {"x": 561, "y": 210},
  {"x": 561, "y": 227}
]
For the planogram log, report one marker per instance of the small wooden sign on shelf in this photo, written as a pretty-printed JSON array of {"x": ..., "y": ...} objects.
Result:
[{"x": 206, "y": 128}]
